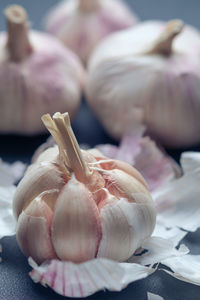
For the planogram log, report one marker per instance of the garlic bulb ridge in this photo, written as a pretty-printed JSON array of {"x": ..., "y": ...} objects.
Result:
[
  {"x": 76, "y": 205},
  {"x": 36, "y": 73},
  {"x": 149, "y": 75}
]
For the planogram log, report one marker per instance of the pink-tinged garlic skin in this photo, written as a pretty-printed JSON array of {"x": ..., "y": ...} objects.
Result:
[
  {"x": 82, "y": 30},
  {"x": 103, "y": 210},
  {"x": 50, "y": 78},
  {"x": 37, "y": 179},
  {"x": 34, "y": 228},
  {"x": 127, "y": 84},
  {"x": 76, "y": 212}
]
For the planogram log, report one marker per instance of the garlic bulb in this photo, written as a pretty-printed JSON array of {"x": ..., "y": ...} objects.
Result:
[
  {"x": 81, "y": 24},
  {"x": 36, "y": 73},
  {"x": 149, "y": 75},
  {"x": 76, "y": 205}
]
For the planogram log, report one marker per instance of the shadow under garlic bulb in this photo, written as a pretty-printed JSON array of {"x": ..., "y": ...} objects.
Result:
[
  {"x": 150, "y": 75},
  {"x": 37, "y": 73},
  {"x": 82, "y": 24},
  {"x": 76, "y": 205}
]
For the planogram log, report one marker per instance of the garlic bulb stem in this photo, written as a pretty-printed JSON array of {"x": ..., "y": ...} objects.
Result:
[
  {"x": 18, "y": 44},
  {"x": 88, "y": 5},
  {"x": 60, "y": 129},
  {"x": 163, "y": 45}
]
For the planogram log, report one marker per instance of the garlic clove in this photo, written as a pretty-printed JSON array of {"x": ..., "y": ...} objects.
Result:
[
  {"x": 109, "y": 164},
  {"x": 146, "y": 203},
  {"x": 123, "y": 166},
  {"x": 105, "y": 198},
  {"x": 76, "y": 228},
  {"x": 33, "y": 231},
  {"x": 123, "y": 185},
  {"x": 50, "y": 154},
  {"x": 50, "y": 143},
  {"x": 49, "y": 197},
  {"x": 119, "y": 241},
  {"x": 39, "y": 178},
  {"x": 96, "y": 181}
]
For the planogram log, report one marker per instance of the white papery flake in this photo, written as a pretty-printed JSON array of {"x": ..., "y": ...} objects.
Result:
[
  {"x": 158, "y": 250},
  {"x": 178, "y": 202},
  {"x": 185, "y": 268},
  {"x": 175, "y": 235},
  {"x": 7, "y": 190},
  {"x": 11, "y": 173},
  {"x": 7, "y": 221},
  {"x": 151, "y": 296},
  {"x": 190, "y": 161}
]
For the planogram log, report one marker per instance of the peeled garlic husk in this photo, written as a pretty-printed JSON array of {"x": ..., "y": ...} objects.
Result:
[
  {"x": 150, "y": 75},
  {"x": 37, "y": 73},
  {"x": 80, "y": 205},
  {"x": 82, "y": 24},
  {"x": 155, "y": 165}
]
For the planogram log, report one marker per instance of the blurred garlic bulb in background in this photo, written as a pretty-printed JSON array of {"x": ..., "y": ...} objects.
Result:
[
  {"x": 76, "y": 205},
  {"x": 37, "y": 73},
  {"x": 149, "y": 74},
  {"x": 82, "y": 24}
]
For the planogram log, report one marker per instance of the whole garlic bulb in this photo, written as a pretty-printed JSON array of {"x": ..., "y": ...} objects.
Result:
[
  {"x": 37, "y": 73},
  {"x": 76, "y": 205},
  {"x": 149, "y": 74},
  {"x": 82, "y": 24}
]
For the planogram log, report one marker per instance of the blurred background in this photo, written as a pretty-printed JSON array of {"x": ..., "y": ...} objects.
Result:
[
  {"x": 152, "y": 9},
  {"x": 85, "y": 125}
]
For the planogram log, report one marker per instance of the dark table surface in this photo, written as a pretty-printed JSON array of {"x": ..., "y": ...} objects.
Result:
[{"x": 14, "y": 280}]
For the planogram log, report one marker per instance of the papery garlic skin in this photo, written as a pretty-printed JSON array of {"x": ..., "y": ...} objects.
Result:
[
  {"x": 82, "y": 24},
  {"x": 131, "y": 82},
  {"x": 47, "y": 77},
  {"x": 93, "y": 205}
]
